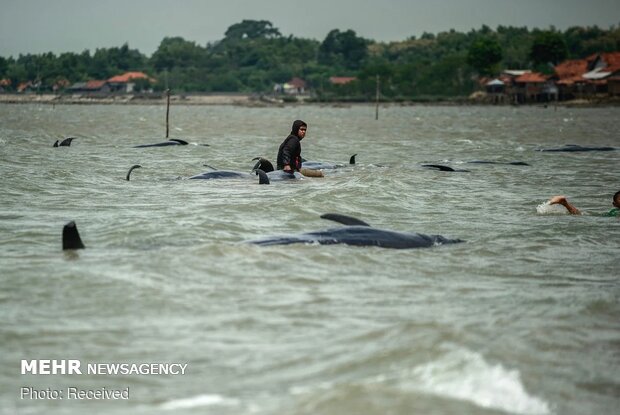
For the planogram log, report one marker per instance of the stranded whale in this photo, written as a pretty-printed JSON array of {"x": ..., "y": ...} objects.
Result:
[
  {"x": 263, "y": 168},
  {"x": 512, "y": 163},
  {"x": 321, "y": 165},
  {"x": 170, "y": 142},
  {"x": 307, "y": 164},
  {"x": 218, "y": 174},
  {"x": 355, "y": 232},
  {"x": 575, "y": 148},
  {"x": 442, "y": 167},
  {"x": 359, "y": 233},
  {"x": 229, "y": 174}
]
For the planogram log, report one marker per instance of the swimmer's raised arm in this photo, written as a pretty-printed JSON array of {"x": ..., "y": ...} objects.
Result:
[{"x": 561, "y": 200}]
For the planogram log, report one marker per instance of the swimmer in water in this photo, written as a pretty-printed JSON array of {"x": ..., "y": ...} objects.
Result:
[{"x": 561, "y": 200}]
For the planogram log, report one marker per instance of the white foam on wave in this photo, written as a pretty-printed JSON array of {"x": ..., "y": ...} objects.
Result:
[
  {"x": 197, "y": 401},
  {"x": 547, "y": 208},
  {"x": 463, "y": 374}
]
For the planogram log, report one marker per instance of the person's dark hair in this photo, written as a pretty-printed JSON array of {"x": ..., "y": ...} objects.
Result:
[
  {"x": 617, "y": 196},
  {"x": 297, "y": 124}
]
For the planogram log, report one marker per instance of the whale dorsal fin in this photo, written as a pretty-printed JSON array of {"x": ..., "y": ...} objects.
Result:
[
  {"x": 71, "y": 237},
  {"x": 352, "y": 159},
  {"x": 345, "y": 220},
  {"x": 262, "y": 177},
  {"x": 182, "y": 142},
  {"x": 135, "y": 166}
]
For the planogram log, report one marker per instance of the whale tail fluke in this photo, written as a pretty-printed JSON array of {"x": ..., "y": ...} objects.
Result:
[
  {"x": 64, "y": 143},
  {"x": 263, "y": 164},
  {"x": 135, "y": 166},
  {"x": 345, "y": 220},
  {"x": 352, "y": 159},
  {"x": 71, "y": 237},
  {"x": 262, "y": 177}
]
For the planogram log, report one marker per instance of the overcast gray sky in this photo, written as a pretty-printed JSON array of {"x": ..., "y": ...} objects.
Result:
[{"x": 37, "y": 26}]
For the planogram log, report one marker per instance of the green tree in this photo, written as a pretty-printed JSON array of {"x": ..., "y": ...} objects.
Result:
[
  {"x": 252, "y": 29},
  {"x": 4, "y": 64},
  {"x": 484, "y": 55},
  {"x": 344, "y": 49},
  {"x": 548, "y": 47},
  {"x": 177, "y": 52}
]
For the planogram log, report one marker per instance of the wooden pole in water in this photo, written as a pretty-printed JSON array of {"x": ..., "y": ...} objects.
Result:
[
  {"x": 377, "y": 100},
  {"x": 167, "y": 110}
]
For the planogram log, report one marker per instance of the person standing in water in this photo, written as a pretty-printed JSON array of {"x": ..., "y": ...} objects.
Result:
[
  {"x": 561, "y": 200},
  {"x": 289, "y": 153}
]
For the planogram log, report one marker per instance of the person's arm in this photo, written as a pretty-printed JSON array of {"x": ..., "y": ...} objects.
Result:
[{"x": 561, "y": 200}]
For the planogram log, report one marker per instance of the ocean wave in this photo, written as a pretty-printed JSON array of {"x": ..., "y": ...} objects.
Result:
[{"x": 464, "y": 374}]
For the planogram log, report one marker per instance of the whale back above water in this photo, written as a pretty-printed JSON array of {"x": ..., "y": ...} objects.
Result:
[
  {"x": 576, "y": 148},
  {"x": 221, "y": 174},
  {"x": 512, "y": 163},
  {"x": 441, "y": 167},
  {"x": 170, "y": 142},
  {"x": 321, "y": 165},
  {"x": 263, "y": 178},
  {"x": 359, "y": 233}
]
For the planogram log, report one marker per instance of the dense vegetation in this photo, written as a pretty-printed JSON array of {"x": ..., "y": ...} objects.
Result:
[{"x": 253, "y": 56}]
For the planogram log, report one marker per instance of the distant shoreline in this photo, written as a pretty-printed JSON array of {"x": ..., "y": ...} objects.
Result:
[
  {"x": 253, "y": 100},
  {"x": 127, "y": 99}
]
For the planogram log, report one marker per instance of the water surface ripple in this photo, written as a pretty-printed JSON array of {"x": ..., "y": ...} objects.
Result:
[{"x": 520, "y": 319}]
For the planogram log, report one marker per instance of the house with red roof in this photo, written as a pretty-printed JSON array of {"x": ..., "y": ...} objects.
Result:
[
  {"x": 533, "y": 87},
  {"x": 5, "y": 83},
  {"x": 126, "y": 82},
  {"x": 60, "y": 84},
  {"x": 27, "y": 86},
  {"x": 295, "y": 86},
  {"x": 586, "y": 77},
  {"x": 341, "y": 80},
  {"x": 92, "y": 87}
]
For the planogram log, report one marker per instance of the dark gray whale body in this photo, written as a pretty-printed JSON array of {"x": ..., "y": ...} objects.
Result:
[
  {"x": 359, "y": 233},
  {"x": 170, "y": 142},
  {"x": 321, "y": 165},
  {"x": 575, "y": 148},
  {"x": 355, "y": 233},
  {"x": 512, "y": 163},
  {"x": 221, "y": 174},
  {"x": 264, "y": 178},
  {"x": 441, "y": 167},
  {"x": 224, "y": 174}
]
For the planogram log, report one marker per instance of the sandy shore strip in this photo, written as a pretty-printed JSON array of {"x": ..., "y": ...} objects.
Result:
[{"x": 77, "y": 99}]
